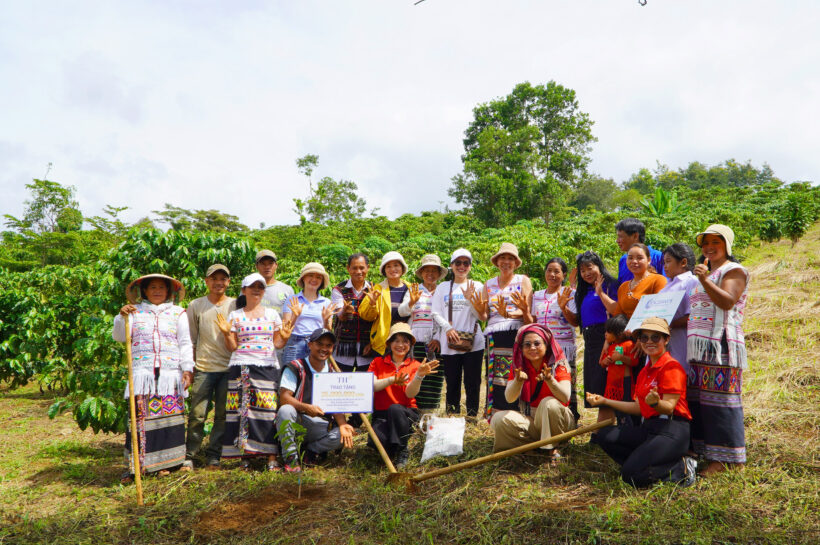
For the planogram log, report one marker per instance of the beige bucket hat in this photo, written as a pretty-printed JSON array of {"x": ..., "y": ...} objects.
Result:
[
  {"x": 392, "y": 256},
  {"x": 401, "y": 327},
  {"x": 432, "y": 260},
  {"x": 507, "y": 248},
  {"x": 315, "y": 268},
  {"x": 655, "y": 324},
  {"x": 132, "y": 292},
  {"x": 723, "y": 231}
]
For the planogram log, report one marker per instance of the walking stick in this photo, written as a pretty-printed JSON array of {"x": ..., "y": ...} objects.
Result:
[
  {"x": 132, "y": 406},
  {"x": 390, "y": 467}
]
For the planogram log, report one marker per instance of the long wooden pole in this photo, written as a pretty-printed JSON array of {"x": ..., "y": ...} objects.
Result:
[
  {"x": 511, "y": 452},
  {"x": 132, "y": 405},
  {"x": 390, "y": 467}
]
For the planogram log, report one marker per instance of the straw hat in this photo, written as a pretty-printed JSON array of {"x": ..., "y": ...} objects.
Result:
[
  {"x": 401, "y": 327},
  {"x": 392, "y": 256},
  {"x": 315, "y": 268},
  {"x": 723, "y": 231},
  {"x": 432, "y": 260},
  {"x": 132, "y": 292},
  {"x": 507, "y": 248},
  {"x": 655, "y": 324}
]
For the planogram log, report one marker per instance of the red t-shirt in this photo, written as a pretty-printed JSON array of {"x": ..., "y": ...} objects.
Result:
[
  {"x": 561, "y": 374},
  {"x": 668, "y": 377},
  {"x": 616, "y": 371},
  {"x": 383, "y": 367}
]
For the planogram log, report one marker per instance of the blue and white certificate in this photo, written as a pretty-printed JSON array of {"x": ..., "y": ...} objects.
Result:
[
  {"x": 343, "y": 392},
  {"x": 659, "y": 305}
]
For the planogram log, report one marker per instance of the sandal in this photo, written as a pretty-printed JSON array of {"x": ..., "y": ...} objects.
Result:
[
  {"x": 273, "y": 465},
  {"x": 163, "y": 473},
  {"x": 187, "y": 466},
  {"x": 556, "y": 458},
  {"x": 127, "y": 478},
  {"x": 245, "y": 465},
  {"x": 292, "y": 469}
]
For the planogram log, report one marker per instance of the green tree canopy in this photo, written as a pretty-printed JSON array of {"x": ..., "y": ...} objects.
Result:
[
  {"x": 181, "y": 219},
  {"x": 51, "y": 209},
  {"x": 330, "y": 200},
  {"x": 523, "y": 153}
]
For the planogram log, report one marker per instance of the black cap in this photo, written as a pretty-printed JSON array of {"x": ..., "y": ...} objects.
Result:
[{"x": 321, "y": 332}]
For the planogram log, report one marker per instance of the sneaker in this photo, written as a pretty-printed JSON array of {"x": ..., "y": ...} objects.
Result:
[
  {"x": 187, "y": 466},
  {"x": 402, "y": 457},
  {"x": 691, "y": 468},
  {"x": 292, "y": 468}
]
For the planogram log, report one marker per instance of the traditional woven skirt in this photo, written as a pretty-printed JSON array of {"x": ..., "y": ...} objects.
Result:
[
  {"x": 429, "y": 396},
  {"x": 160, "y": 432},
  {"x": 250, "y": 411},
  {"x": 499, "y": 362},
  {"x": 714, "y": 400}
]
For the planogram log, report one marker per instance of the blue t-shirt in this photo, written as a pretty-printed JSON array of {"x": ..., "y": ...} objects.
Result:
[
  {"x": 593, "y": 310},
  {"x": 311, "y": 317},
  {"x": 655, "y": 259}
]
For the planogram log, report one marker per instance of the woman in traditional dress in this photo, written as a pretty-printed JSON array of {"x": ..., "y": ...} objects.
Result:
[
  {"x": 308, "y": 310},
  {"x": 162, "y": 358},
  {"x": 716, "y": 350},
  {"x": 418, "y": 305},
  {"x": 678, "y": 264},
  {"x": 252, "y": 333},
  {"x": 457, "y": 308},
  {"x": 381, "y": 305},
  {"x": 539, "y": 383},
  {"x": 503, "y": 320}
]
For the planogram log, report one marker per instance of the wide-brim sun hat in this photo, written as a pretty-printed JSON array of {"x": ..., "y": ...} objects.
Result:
[
  {"x": 401, "y": 328},
  {"x": 461, "y": 252},
  {"x": 507, "y": 248},
  {"x": 252, "y": 279},
  {"x": 654, "y": 324},
  {"x": 313, "y": 268},
  {"x": 393, "y": 256},
  {"x": 132, "y": 292},
  {"x": 432, "y": 260},
  {"x": 724, "y": 231}
]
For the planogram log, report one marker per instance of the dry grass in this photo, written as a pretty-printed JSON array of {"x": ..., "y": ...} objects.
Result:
[{"x": 60, "y": 485}]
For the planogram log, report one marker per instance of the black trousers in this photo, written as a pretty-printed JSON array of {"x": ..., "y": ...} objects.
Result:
[
  {"x": 594, "y": 374},
  {"x": 468, "y": 363},
  {"x": 393, "y": 427},
  {"x": 650, "y": 452}
]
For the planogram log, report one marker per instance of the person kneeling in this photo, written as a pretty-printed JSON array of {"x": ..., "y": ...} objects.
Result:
[
  {"x": 540, "y": 380},
  {"x": 397, "y": 379},
  {"x": 295, "y": 396},
  {"x": 654, "y": 451}
]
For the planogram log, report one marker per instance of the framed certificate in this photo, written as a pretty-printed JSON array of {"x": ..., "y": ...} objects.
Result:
[{"x": 343, "y": 392}]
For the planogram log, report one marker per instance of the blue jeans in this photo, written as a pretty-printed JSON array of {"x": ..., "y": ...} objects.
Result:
[
  {"x": 317, "y": 439},
  {"x": 205, "y": 387},
  {"x": 296, "y": 349}
]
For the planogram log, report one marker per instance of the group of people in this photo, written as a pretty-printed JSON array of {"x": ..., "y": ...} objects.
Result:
[{"x": 674, "y": 388}]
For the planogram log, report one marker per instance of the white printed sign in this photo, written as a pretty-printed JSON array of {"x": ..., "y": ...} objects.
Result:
[
  {"x": 659, "y": 305},
  {"x": 343, "y": 392}
]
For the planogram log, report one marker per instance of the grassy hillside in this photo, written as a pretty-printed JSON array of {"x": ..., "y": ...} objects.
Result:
[{"x": 60, "y": 485}]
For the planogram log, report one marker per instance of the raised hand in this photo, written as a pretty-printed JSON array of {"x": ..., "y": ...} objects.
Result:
[
  {"x": 223, "y": 324},
  {"x": 520, "y": 375},
  {"x": 415, "y": 294},
  {"x": 652, "y": 398},
  {"x": 595, "y": 400},
  {"x": 295, "y": 308},
  {"x": 400, "y": 379},
  {"x": 373, "y": 296},
  {"x": 476, "y": 298},
  {"x": 599, "y": 284},
  {"x": 701, "y": 270},
  {"x": 128, "y": 309},
  {"x": 519, "y": 299},
  {"x": 286, "y": 329},
  {"x": 328, "y": 312},
  {"x": 564, "y": 297},
  {"x": 500, "y": 306},
  {"x": 427, "y": 368},
  {"x": 573, "y": 278},
  {"x": 347, "y": 311}
]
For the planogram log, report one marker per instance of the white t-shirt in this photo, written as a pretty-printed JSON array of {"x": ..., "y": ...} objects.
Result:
[
  {"x": 464, "y": 315},
  {"x": 255, "y": 338}
]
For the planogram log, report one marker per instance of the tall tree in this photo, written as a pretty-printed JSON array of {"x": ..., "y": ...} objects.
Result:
[
  {"x": 181, "y": 219},
  {"x": 330, "y": 200},
  {"x": 523, "y": 153},
  {"x": 51, "y": 209}
]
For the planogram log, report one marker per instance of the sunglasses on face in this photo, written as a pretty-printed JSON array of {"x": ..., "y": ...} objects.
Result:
[
  {"x": 655, "y": 337},
  {"x": 461, "y": 263},
  {"x": 533, "y": 344}
]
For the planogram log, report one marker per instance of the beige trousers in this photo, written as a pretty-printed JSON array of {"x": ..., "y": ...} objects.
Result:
[{"x": 513, "y": 429}]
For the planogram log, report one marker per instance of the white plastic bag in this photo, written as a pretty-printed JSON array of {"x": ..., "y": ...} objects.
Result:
[{"x": 445, "y": 436}]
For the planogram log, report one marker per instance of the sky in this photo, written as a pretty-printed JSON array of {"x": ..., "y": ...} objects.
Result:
[{"x": 207, "y": 104}]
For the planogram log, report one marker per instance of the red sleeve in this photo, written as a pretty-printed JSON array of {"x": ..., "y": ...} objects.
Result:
[
  {"x": 561, "y": 373},
  {"x": 672, "y": 379},
  {"x": 372, "y": 368},
  {"x": 512, "y": 373}
]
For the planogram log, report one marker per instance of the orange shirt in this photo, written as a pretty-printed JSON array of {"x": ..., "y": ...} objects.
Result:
[
  {"x": 383, "y": 367},
  {"x": 628, "y": 299},
  {"x": 668, "y": 377}
]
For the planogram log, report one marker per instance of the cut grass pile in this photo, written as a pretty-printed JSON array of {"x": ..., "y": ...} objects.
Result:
[{"x": 61, "y": 485}]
